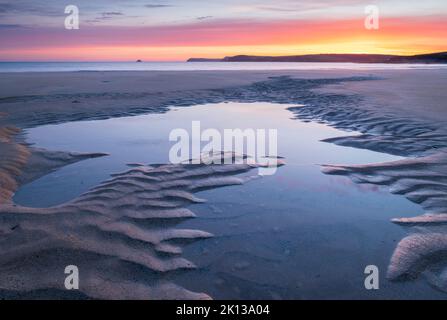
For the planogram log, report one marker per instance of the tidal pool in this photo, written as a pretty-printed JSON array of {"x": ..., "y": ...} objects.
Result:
[{"x": 297, "y": 234}]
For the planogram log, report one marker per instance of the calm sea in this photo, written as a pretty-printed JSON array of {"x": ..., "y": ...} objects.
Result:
[{"x": 188, "y": 66}]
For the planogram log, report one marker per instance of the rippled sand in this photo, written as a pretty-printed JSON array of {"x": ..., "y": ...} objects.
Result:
[{"x": 126, "y": 223}]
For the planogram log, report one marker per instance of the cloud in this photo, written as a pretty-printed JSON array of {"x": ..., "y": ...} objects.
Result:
[
  {"x": 204, "y": 17},
  {"x": 301, "y": 6},
  {"x": 112, "y": 13},
  {"x": 6, "y": 7},
  {"x": 106, "y": 16},
  {"x": 155, "y": 6},
  {"x": 217, "y": 38},
  {"x": 29, "y": 8},
  {"x": 232, "y": 32},
  {"x": 276, "y": 9},
  {"x": 10, "y": 26}
]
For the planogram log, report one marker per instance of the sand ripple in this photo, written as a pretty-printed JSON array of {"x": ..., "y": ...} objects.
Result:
[{"x": 422, "y": 180}]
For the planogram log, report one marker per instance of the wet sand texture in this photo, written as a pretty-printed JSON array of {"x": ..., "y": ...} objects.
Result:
[{"x": 126, "y": 223}]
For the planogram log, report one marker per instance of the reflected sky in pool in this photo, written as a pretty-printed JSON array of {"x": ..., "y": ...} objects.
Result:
[
  {"x": 145, "y": 139},
  {"x": 296, "y": 234}
]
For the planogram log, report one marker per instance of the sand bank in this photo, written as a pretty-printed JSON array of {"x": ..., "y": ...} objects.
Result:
[{"x": 31, "y": 99}]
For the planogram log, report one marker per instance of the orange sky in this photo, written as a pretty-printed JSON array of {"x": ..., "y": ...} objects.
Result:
[{"x": 218, "y": 38}]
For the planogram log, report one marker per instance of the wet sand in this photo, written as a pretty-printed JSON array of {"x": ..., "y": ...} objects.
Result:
[{"x": 398, "y": 112}]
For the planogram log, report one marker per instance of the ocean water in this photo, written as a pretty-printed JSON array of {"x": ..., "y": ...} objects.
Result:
[
  {"x": 189, "y": 66},
  {"x": 297, "y": 234}
]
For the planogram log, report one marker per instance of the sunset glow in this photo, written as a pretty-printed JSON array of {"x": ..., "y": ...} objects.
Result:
[{"x": 116, "y": 36}]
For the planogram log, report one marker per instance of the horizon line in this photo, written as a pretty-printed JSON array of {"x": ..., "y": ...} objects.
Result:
[{"x": 202, "y": 57}]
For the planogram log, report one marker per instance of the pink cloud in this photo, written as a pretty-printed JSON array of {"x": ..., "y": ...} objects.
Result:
[{"x": 229, "y": 33}]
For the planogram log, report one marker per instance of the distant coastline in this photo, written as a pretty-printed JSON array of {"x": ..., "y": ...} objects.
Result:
[{"x": 431, "y": 58}]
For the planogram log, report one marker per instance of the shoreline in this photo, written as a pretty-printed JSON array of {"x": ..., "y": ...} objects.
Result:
[{"x": 33, "y": 99}]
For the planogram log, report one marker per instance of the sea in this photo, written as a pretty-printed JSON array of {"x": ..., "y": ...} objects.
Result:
[{"x": 191, "y": 66}]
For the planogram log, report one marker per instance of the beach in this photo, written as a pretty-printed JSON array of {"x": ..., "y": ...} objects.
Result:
[
  {"x": 401, "y": 90},
  {"x": 396, "y": 112}
]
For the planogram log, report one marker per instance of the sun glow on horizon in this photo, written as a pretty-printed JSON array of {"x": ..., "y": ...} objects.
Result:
[
  {"x": 122, "y": 53},
  {"x": 215, "y": 37}
]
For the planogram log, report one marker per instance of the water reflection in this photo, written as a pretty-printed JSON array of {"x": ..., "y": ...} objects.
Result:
[{"x": 296, "y": 234}]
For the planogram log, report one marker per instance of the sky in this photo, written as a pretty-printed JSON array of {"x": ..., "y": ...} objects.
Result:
[{"x": 175, "y": 30}]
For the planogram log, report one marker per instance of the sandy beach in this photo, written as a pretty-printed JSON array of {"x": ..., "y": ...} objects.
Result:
[{"x": 398, "y": 112}]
